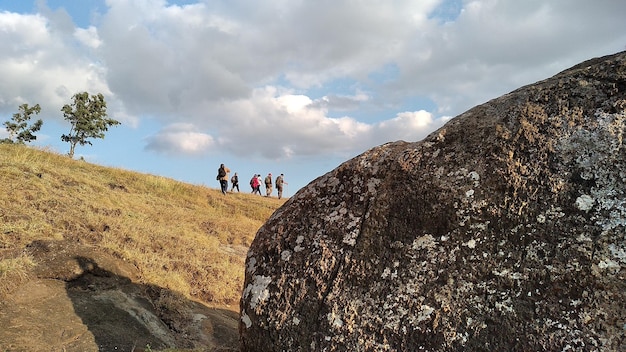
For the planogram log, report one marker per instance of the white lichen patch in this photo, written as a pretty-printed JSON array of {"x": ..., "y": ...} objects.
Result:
[
  {"x": 509, "y": 274},
  {"x": 473, "y": 175},
  {"x": 584, "y": 202},
  {"x": 285, "y": 255},
  {"x": 424, "y": 242},
  {"x": 353, "y": 230},
  {"x": 298, "y": 246},
  {"x": 257, "y": 290},
  {"x": 618, "y": 253},
  {"x": 595, "y": 151},
  {"x": 424, "y": 313},
  {"x": 246, "y": 320},
  {"x": 480, "y": 226},
  {"x": 251, "y": 268},
  {"x": 575, "y": 302},
  {"x": 387, "y": 273},
  {"x": 459, "y": 174},
  {"x": 372, "y": 185},
  {"x": 505, "y": 306},
  {"x": 469, "y": 193},
  {"x": 337, "y": 214},
  {"x": 350, "y": 238},
  {"x": 608, "y": 264},
  {"x": 334, "y": 320},
  {"x": 554, "y": 213},
  {"x": 470, "y": 244}
]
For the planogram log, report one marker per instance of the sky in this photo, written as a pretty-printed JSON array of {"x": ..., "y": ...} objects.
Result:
[{"x": 280, "y": 86}]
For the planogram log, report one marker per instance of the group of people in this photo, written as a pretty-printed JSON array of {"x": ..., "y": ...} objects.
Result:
[{"x": 255, "y": 182}]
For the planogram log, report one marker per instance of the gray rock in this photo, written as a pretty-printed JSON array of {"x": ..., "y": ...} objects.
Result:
[{"x": 505, "y": 230}]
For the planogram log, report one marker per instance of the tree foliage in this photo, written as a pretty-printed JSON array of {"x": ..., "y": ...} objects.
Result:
[
  {"x": 18, "y": 128},
  {"x": 88, "y": 117}
]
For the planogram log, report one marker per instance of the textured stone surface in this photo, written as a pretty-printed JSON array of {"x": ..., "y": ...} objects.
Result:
[{"x": 502, "y": 231}]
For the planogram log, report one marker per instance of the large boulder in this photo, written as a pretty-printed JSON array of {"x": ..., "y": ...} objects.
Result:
[{"x": 505, "y": 230}]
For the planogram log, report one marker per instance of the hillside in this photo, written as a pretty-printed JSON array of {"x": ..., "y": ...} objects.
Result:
[{"x": 179, "y": 245}]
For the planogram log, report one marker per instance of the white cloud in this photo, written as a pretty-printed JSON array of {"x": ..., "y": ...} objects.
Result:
[
  {"x": 341, "y": 102},
  {"x": 409, "y": 120},
  {"x": 180, "y": 139},
  {"x": 495, "y": 46},
  {"x": 407, "y": 126},
  {"x": 164, "y": 60},
  {"x": 296, "y": 79},
  {"x": 278, "y": 125},
  {"x": 88, "y": 37},
  {"x": 22, "y": 32},
  {"x": 43, "y": 66}
]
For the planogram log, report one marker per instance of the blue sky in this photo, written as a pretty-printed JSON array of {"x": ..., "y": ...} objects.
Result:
[{"x": 293, "y": 87}]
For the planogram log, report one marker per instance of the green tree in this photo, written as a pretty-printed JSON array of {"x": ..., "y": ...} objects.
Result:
[
  {"x": 88, "y": 117},
  {"x": 19, "y": 131}
]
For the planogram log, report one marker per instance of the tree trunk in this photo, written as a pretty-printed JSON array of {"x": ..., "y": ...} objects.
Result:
[{"x": 72, "y": 147}]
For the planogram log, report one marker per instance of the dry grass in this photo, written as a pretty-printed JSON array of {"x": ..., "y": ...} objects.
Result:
[
  {"x": 14, "y": 271},
  {"x": 187, "y": 238}
]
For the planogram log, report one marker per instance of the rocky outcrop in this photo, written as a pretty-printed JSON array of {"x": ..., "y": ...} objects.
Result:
[
  {"x": 505, "y": 230},
  {"x": 78, "y": 298}
]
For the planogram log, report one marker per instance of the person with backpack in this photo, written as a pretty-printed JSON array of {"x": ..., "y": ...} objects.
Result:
[
  {"x": 258, "y": 183},
  {"x": 222, "y": 176},
  {"x": 268, "y": 185},
  {"x": 235, "y": 181},
  {"x": 255, "y": 184},
  {"x": 280, "y": 180}
]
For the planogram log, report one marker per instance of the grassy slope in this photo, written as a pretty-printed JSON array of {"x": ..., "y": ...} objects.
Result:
[{"x": 187, "y": 238}]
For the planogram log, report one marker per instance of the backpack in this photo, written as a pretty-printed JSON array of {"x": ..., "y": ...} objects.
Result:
[{"x": 221, "y": 173}]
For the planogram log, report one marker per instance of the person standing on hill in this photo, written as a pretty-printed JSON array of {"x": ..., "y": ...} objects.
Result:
[
  {"x": 252, "y": 182},
  {"x": 260, "y": 182},
  {"x": 222, "y": 176},
  {"x": 235, "y": 181},
  {"x": 268, "y": 185},
  {"x": 280, "y": 180},
  {"x": 255, "y": 184}
]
